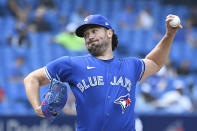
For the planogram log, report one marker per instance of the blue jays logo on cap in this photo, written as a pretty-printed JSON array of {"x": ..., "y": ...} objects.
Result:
[
  {"x": 124, "y": 102},
  {"x": 88, "y": 18},
  {"x": 96, "y": 20}
]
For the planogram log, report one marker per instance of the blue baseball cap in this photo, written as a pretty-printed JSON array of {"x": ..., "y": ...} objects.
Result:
[{"x": 96, "y": 20}]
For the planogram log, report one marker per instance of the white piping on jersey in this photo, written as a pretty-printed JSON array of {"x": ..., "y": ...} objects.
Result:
[
  {"x": 143, "y": 69},
  {"x": 47, "y": 73},
  {"x": 89, "y": 67}
]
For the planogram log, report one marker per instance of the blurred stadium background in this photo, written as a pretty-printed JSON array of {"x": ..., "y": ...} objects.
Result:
[{"x": 35, "y": 32}]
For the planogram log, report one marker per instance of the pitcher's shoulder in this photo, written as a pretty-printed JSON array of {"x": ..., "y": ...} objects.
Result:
[
  {"x": 127, "y": 59},
  {"x": 78, "y": 58}
]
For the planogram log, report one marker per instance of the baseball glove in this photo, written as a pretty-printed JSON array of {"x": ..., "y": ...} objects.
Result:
[{"x": 54, "y": 99}]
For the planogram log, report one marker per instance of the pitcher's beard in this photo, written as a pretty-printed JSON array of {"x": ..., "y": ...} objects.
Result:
[{"x": 97, "y": 49}]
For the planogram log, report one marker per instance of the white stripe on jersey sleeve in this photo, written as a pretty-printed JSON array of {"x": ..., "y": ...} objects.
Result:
[
  {"x": 47, "y": 73},
  {"x": 143, "y": 69}
]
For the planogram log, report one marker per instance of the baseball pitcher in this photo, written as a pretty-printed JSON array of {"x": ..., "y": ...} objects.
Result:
[{"x": 103, "y": 85}]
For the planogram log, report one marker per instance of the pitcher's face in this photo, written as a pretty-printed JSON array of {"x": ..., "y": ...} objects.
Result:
[{"x": 97, "y": 40}]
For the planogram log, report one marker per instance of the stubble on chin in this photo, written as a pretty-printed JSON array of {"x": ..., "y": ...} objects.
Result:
[{"x": 97, "y": 49}]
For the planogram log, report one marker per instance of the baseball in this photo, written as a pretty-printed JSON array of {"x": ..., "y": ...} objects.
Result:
[{"x": 175, "y": 21}]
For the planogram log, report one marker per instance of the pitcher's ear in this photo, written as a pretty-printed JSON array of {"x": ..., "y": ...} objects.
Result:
[{"x": 110, "y": 33}]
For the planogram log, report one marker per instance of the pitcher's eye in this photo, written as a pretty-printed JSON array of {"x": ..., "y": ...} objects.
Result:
[
  {"x": 94, "y": 30},
  {"x": 85, "y": 35}
]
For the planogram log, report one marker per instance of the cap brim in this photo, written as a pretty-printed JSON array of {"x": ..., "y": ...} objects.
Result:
[{"x": 80, "y": 30}]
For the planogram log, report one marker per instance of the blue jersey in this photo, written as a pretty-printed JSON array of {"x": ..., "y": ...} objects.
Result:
[{"x": 104, "y": 90}]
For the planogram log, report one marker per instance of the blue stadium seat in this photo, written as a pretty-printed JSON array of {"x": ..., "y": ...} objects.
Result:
[
  {"x": 67, "y": 7},
  {"x": 149, "y": 40},
  {"x": 34, "y": 51},
  {"x": 136, "y": 41},
  {"x": 15, "y": 91},
  {"x": 193, "y": 61},
  {"x": 9, "y": 56},
  {"x": 19, "y": 108},
  {"x": 1, "y": 26},
  {"x": 105, "y": 8},
  {"x": 51, "y": 16},
  {"x": 143, "y": 41},
  {"x": 5, "y": 109},
  {"x": 44, "y": 47},
  {"x": 7, "y": 28},
  {"x": 182, "y": 11},
  {"x": 4, "y": 8},
  {"x": 176, "y": 53}
]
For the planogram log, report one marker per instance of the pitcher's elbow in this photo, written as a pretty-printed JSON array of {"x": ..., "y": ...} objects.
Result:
[{"x": 27, "y": 79}]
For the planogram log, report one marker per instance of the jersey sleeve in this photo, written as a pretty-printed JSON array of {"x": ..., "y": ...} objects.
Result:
[
  {"x": 139, "y": 68},
  {"x": 59, "y": 69}
]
